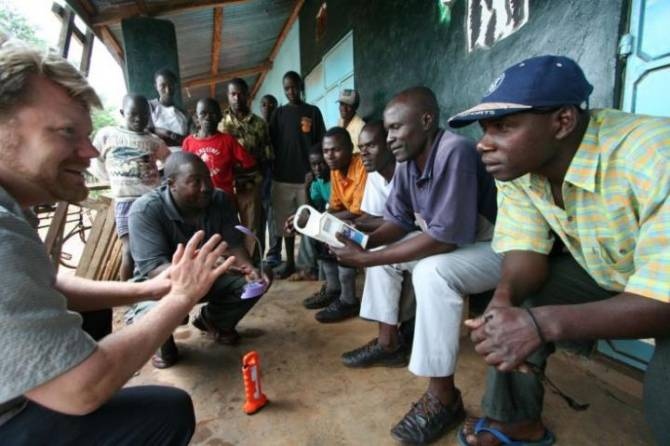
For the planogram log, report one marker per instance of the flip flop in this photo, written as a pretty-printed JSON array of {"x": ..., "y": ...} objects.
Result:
[{"x": 482, "y": 426}]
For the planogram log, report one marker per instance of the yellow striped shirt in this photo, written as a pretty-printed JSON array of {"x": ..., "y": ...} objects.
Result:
[{"x": 616, "y": 221}]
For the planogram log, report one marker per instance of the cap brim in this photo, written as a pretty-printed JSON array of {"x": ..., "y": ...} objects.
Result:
[{"x": 485, "y": 110}]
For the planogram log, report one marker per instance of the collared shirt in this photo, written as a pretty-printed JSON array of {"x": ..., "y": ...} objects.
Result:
[
  {"x": 377, "y": 191},
  {"x": 347, "y": 190},
  {"x": 41, "y": 338},
  {"x": 221, "y": 153},
  {"x": 452, "y": 200},
  {"x": 251, "y": 132},
  {"x": 319, "y": 193},
  {"x": 354, "y": 129},
  {"x": 157, "y": 227},
  {"x": 616, "y": 221}
]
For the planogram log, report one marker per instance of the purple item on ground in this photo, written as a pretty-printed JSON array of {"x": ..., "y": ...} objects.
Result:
[{"x": 257, "y": 287}]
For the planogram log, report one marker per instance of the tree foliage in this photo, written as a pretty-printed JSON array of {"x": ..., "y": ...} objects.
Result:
[{"x": 16, "y": 25}]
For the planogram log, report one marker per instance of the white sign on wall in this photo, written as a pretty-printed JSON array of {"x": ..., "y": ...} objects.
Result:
[{"x": 492, "y": 20}]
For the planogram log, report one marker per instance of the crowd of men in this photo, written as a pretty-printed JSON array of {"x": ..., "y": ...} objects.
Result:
[{"x": 561, "y": 210}]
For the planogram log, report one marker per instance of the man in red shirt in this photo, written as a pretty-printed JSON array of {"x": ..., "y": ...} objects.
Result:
[{"x": 220, "y": 151}]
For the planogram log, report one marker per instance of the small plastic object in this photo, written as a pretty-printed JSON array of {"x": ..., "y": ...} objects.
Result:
[
  {"x": 257, "y": 287},
  {"x": 251, "y": 372},
  {"x": 324, "y": 226}
]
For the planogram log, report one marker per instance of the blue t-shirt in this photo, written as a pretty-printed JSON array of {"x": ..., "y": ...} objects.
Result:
[{"x": 319, "y": 193}]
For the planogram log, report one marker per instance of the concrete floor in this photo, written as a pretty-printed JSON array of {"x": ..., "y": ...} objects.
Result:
[{"x": 316, "y": 401}]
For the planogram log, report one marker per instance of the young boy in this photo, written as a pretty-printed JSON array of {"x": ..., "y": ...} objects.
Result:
[
  {"x": 128, "y": 156},
  {"x": 220, "y": 151}
]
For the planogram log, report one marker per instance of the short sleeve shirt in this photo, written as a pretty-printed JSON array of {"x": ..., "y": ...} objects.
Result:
[
  {"x": 319, "y": 193},
  {"x": 128, "y": 161},
  {"x": 157, "y": 227},
  {"x": 41, "y": 338},
  {"x": 251, "y": 132},
  {"x": 354, "y": 129},
  {"x": 377, "y": 191},
  {"x": 347, "y": 190},
  {"x": 294, "y": 128},
  {"x": 221, "y": 153},
  {"x": 451, "y": 199},
  {"x": 616, "y": 216}
]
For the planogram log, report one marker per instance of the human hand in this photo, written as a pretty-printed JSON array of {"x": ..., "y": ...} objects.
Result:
[
  {"x": 158, "y": 286},
  {"x": 288, "y": 224},
  {"x": 193, "y": 270},
  {"x": 309, "y": 177},
  {"x": 351, "y": 254},
  {"x": 504, "y": 336}
]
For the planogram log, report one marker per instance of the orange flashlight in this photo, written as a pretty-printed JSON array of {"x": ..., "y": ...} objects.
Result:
[{"x": 251, "y": 372}]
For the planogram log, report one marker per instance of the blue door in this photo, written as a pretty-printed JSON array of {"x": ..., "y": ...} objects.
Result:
[{"x": 646, "y": 91}]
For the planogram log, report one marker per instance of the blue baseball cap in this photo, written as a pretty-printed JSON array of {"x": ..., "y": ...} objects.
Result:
[{"x": 543, "y": 81}]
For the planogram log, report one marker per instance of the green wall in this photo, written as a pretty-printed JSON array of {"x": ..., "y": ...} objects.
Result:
[{"x": 401, "y": 43}]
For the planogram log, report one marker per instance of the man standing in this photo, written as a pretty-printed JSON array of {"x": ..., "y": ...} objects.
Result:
[
  {"x": 252, "y": 134},
  {"x": 294, "y": 128},
  {"x": 273, "y": 255},
  {"x": 57, "y": 385},
  {"x": 167, "y": 120},
  {"x": 600, "y": 181},
  {"x": 349, "y": 101},
  {"x": 164, "y": 218},
  {"x": 442, "y": 188}
]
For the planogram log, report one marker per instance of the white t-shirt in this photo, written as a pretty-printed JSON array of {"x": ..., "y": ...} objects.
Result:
[
  {"x": 377, "y": 191},
  {"x": 170, "y": 118},
  {"x": 128, "y": 161}
]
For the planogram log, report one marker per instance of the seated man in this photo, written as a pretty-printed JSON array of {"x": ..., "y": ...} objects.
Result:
[
  {"x": 380, "y": 165},
  {"x": 347, "y": 184},
  {"x": 166, "y": 217},
  {"x": 599, "y": 180},
  {"x": 443, "y": 189},
  {"x": 57, "y": 385}
]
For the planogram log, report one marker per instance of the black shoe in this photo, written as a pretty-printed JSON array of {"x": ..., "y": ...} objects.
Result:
[
  {"x": 321, "y": 299},
  {"x": 428, "y": 420},
  {"x": 167, "y": 355},
  {"x": 337, "y": 311},
  {"x": 372, "y": 354},
  {"x": 225, "y": 337}
]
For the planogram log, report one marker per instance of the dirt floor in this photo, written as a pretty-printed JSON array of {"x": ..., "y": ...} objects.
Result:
[{"x": 317, "y": 401}]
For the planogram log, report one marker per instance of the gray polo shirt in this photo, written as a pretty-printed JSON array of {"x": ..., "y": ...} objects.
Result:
[
  {"x": 451, "y": 199},
  {"x": 39, "y": 338},
  {"x": 156, "y": 227}
]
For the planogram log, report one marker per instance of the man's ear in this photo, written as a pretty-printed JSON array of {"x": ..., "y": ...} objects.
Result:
[
  {"x": 427, "y": 120},
  {"x": 565, "y": 121}
]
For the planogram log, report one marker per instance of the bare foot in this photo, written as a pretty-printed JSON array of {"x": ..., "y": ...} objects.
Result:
[{"x": 523, "y": 430}]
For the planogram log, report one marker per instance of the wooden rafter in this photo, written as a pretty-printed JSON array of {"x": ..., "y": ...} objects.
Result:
[
  {"x": 278, "y": 43},
  {"x": 216, "y": 48},
  {"x": 115, "y": 14},
  {"x": 86, "y": 10},
  {"x": 222, "y": 77}
]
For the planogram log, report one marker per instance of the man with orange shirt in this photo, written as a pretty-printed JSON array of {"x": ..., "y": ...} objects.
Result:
[
  {"x": 220, "y": 151},
  {"x": 347, "y": 182}
]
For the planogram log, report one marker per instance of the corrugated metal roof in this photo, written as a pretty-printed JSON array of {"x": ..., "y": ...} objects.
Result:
[{"x": 250, "y": 29}]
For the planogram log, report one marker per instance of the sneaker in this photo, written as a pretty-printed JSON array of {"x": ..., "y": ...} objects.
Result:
[
  {"x": 272, "y": 260},
  {"x": 372, "y": 354},
  {"x": 320, "y": 299},
  {"x": 337, "y": 311},
  {"x": 221, "y": 336},
  {"x": 428, "y": 420}
]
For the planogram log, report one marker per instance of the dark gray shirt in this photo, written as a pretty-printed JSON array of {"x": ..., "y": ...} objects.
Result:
[
  {"x": 156, "y": 227},
  {"x": 39, "y": 338},
  {"x": 451, "y": 199}
]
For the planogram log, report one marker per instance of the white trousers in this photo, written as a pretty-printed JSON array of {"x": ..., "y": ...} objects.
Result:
[{"x": 440, "y": 282}]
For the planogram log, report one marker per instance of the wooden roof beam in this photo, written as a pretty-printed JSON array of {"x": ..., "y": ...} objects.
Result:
[
  {"x": 297, "y": 6},
  {"x": 222, "y": 77},
  {"x": 85, "y": 10},
  {"x": 216, "y": 48},
  {"x": 115, "y": 14}
]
